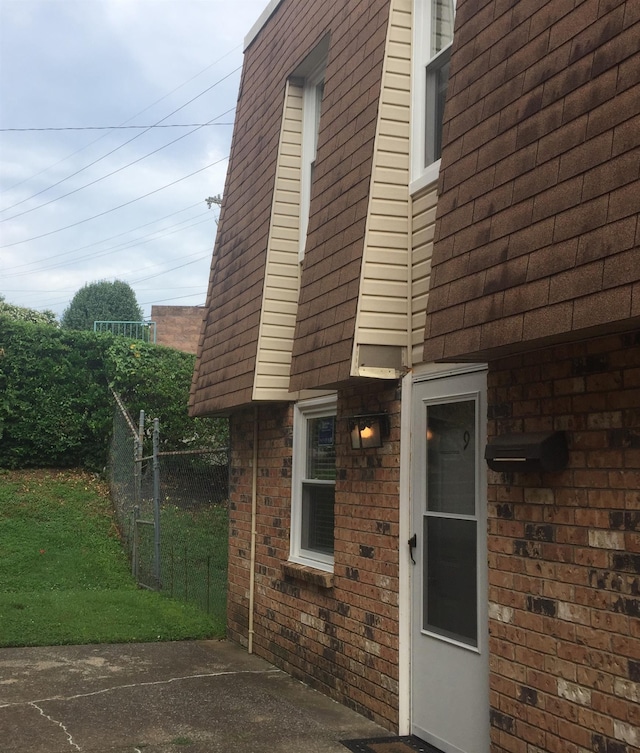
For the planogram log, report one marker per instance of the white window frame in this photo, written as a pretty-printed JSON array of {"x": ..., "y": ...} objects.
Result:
[
  {"x": 311, "y": 107},
  {"x": 424, "y": 171},
  {"x": 304, "y": 412}
]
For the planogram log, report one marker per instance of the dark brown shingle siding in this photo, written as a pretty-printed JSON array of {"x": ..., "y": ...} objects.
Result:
[
  {"x": 540, "y": 177},
  {"x": 331, "y": 269},
  {"x": 228, "y": 347}
]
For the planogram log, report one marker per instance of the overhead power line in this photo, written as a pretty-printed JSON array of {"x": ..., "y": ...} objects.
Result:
[
  {"x": 177, "y": 298},
  {"x": 165, "y": 271},
  {"x": 124, "y": 122},
  {"x": 132, "y": 243},
  {"x": 102, "y": 240},
  {"x": 113, "y": 209},
  {"x": 133, "y": 138},
  {"x": 108, "y": 175},
  {"x": 116, "y": 128}
]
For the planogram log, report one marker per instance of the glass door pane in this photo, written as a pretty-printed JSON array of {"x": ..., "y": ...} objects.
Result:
[
  {"x": 450, "y": 598},
  {"x": 450, "y": 526},
  {"x": 451, "y": 458}
]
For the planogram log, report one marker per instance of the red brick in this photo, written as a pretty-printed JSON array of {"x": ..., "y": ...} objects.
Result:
[{"x": 581, "y": 646}]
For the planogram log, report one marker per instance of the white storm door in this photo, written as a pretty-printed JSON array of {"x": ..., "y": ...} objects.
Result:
[{"x": 449, "y": 651}]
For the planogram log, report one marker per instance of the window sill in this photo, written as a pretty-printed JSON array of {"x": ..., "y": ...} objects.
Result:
[
  {"x": 308, "y": 574},
  {"x": 428, "y": 176}
]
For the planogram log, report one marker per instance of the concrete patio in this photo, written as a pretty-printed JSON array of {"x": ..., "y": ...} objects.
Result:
[{"x": 188, "y": 697}]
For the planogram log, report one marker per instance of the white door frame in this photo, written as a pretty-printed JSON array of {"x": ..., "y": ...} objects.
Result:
[{"x": 419, "y": 375}]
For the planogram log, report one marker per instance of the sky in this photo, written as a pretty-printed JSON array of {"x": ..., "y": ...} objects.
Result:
[{"x": 83, "y": 201}]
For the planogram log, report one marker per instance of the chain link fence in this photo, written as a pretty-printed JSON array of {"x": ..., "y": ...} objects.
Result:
[{"x": 172, "y": 511}]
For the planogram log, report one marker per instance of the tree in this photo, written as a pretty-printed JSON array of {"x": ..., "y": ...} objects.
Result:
[
  {"x": 22, "y": 314},
  {"x": 102, "y": 301}
]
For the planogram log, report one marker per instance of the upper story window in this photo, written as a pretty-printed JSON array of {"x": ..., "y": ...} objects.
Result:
[
  {"x": 433, "y": 35},
  {"x": 311, "y": 107}
]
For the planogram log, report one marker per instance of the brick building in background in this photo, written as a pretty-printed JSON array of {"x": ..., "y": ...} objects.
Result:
[
  {"x": 450, "y": 265},
  {"x": 178, "y": 326}
]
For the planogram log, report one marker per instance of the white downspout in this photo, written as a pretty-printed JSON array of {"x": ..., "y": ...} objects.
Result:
[
  {"x": 254, "y": 508},
  {"x": 405, "y": 566}
]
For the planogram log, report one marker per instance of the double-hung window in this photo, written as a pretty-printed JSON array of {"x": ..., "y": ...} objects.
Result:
[
  {"x": 432, "y": 52},
  {"x": 314, "y": 480}
]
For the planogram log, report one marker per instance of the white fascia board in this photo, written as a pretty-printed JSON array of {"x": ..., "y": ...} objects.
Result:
[{"x": 257, "y": 26}]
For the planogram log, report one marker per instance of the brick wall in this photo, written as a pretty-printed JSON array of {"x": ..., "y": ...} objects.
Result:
[
  {"x": 341, "y": 639},
  {"x": 178, "y": 326},
  {"x": 564, "y": 554}
]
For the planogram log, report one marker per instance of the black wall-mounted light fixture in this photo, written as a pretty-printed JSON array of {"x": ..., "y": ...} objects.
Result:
[{"x": 368, "y": 430}]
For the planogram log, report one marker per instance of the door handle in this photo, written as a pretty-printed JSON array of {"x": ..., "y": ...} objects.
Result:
[{"x": 413, "y": 542}]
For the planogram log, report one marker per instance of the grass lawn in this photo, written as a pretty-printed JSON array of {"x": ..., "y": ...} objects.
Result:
[
  {"x": 194, "y": 556},
  {"x": 64, "y": 577}
]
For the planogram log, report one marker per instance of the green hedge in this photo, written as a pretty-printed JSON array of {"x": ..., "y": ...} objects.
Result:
[
  {"x": 157, "y": 380},
  {"x": 55, "y": 404},
  {"x": 23, "y": 314}
]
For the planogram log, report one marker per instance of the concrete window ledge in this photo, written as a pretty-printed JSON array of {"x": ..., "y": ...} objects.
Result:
[{"x": 308, "y": 574}]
